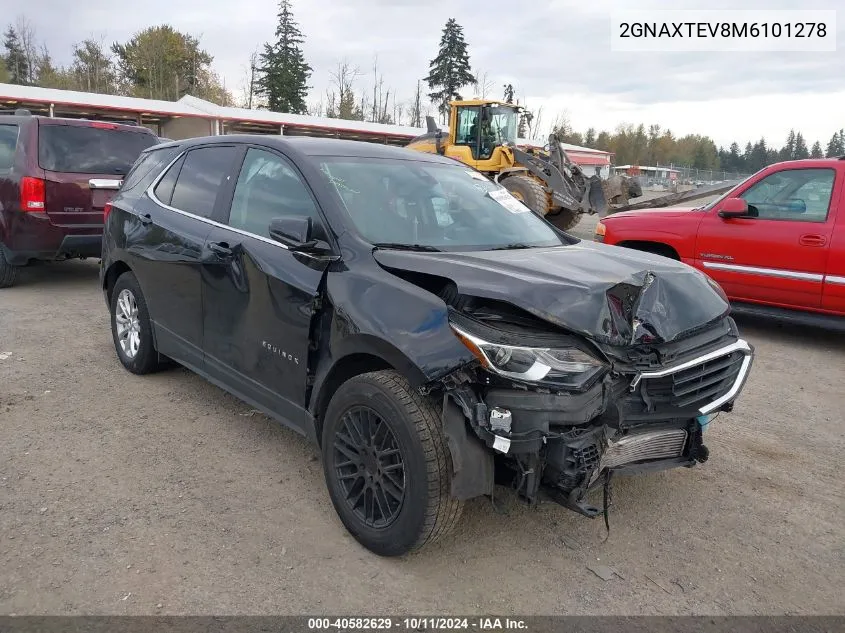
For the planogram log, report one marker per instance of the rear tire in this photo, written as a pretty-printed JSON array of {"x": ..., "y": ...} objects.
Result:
[
  {"x": 8, "y": 272},
  {"x": 387, "y": 467},
  {"x": 131, "y": 327},
  {"x": 529, "y": 191}
]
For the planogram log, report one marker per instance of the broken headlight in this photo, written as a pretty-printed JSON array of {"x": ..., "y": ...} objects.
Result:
[{"x": 567, "y": 367}]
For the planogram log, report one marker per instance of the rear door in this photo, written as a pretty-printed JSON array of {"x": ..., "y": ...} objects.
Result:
[
  {"x": 780, "y": 256},
  {"x": 84, "y": 163},
  {"x": 165, "y": 238}
]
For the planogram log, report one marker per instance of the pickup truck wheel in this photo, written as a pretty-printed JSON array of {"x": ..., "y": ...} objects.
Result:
[
  {"x": 131, "y": 327},
  {"x": 8, "y": 272},
  {"x": 387, "y": 465}
]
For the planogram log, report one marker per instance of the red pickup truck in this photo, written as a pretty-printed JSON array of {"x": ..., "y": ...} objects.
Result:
[{"x": 775, "y": 243}]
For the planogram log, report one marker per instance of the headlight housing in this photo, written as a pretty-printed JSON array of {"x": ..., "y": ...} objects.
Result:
[{"x": 566, "y": 367}]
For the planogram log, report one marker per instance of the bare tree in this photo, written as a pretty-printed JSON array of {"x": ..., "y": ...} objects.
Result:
[
  {"x": 341, "y": 102},
  {"x": 248, "y": 82},
  {"x": 29, "y": 46},
  {"x": 416, "y": 107},
  {"x": 484, "y": 85}
]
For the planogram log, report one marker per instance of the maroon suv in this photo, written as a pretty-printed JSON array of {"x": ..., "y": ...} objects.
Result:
[{"x": 56, "y": 175}]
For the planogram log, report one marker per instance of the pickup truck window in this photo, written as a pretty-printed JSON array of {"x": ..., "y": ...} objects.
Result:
[{"x": 800, "y": 195}]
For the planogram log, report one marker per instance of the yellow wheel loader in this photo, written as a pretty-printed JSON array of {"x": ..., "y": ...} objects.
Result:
[{"x": 482, "y": 134}]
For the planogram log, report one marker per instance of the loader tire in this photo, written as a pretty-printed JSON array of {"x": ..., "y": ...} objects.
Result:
[
  {"x": 528, "y": 191},
  {"x": 565, "y": 219}
]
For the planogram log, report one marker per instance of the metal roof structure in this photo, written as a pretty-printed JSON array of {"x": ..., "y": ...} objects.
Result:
[{"x": 226, "y": 120}]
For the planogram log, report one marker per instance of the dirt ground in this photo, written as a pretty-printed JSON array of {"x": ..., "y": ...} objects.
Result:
[{"x": 128, "y": 495}]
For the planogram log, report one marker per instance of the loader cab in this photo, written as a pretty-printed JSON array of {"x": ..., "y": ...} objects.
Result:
[{"x": 478, "y": 128}]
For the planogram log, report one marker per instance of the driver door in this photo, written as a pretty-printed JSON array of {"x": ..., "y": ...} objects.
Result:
[
  {"x": 258, "y": 296},
  {"x": 467, "y": 133},
  {"x": 779, "y": 256}
]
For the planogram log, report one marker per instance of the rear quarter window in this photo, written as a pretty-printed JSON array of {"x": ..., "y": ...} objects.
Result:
[
  {"x": 8, "y": 144},
  {"x": 147, "y": 167},
  {"x": 82, "y": 149}
]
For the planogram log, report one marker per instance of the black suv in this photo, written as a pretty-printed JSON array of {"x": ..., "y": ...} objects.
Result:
[
  {"x": 420, "y": 325},
  {"x": 56, "y": 176}
]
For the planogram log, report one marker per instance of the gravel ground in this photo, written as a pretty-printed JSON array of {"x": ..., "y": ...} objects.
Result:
[{"x": 135, "y": 495}]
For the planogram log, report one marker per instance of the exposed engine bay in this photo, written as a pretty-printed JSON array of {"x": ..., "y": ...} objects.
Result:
[{"x": 555, "y": 415}]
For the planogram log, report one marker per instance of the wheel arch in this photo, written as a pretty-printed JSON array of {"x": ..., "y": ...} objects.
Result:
[
  {"x": 652, "y": 246},
  {"x": 363, "y": 354},
  {"x": 114, "y": 271}
]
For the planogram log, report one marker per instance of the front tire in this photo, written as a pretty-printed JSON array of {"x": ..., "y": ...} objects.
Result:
[
  {"x": 131, "y": 327},
  {"x": 528, "y": 191},
  {"x": 566, "y": 219},
  {"x": 387, "y": 466},
  {"x": 8, "y": 272}
]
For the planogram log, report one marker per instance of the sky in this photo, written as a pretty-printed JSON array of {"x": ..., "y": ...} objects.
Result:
[{"x": 556, "y": 53}]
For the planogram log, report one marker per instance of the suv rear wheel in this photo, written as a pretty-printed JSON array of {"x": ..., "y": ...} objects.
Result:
[
  {"x": 131, "y": 327},
  {"x": 8, "y": 272},
  {"x": 387, "y": 465}
]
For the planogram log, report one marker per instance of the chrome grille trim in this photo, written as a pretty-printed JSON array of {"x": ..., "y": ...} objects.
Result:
[{"x": 740, "y": 345}]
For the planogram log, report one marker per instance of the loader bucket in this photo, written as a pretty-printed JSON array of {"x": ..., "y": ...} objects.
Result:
[{"x": 595, "y": 196}]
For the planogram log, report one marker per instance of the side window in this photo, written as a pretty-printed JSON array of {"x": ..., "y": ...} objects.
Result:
[
  {"x": 8, "y": 143},
  {"x": 203, "y": 172},
  {"x": 164, "y": 188},
  {"x": 801, "y": 195},
  {"x": 269, "y": 188},
  {"x": 147, "y": 167}
]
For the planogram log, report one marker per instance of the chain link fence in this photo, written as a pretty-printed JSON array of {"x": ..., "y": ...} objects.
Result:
[{"x": 671, "y": 178}]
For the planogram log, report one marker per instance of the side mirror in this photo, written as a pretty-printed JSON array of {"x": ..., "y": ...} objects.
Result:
[
  {"x": 734, "y": 208},
  {"x": 296, "y": 232}
]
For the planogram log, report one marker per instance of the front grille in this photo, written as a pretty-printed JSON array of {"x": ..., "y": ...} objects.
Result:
[
  {"x": 645, "y": 446},
  {"x": 695, "y": 386}
]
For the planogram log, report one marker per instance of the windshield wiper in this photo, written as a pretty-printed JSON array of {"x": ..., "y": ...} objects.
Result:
[
  {"x": 508, "y": 247},
  {"x": 407, "y": 247}
]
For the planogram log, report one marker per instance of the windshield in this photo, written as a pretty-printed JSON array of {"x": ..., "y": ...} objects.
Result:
[
  {"x": 430, "y": 206},
  {"x": 503, "y": 124}
]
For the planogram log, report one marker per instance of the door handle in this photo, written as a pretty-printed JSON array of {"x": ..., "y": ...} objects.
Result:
[
  {"x": 145, "y": 219},
  {"x": 812, "y": 240},
  {"x": 221, "y": 249}
]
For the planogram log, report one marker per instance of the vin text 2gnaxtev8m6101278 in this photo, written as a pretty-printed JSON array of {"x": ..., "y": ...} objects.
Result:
[{"x": 426, "y": 330}]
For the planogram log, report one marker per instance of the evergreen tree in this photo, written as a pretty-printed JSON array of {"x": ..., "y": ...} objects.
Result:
[
  {"x": 450, "y": 70},
  {"x": 15, "y": 59},
  {"x": 590, "y": 137},
  {"x": 836, "y": 146},
  {"x": 816, "y": 152},
  {"x": 801, "y": 150},
  {"x": 283, "y": 72},
  {"x": 734, "y": 159},
  {"x": 788, "y": 150}
]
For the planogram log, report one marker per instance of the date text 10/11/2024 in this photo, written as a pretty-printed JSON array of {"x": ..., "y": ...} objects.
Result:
[{"x": 416, "y": 624}]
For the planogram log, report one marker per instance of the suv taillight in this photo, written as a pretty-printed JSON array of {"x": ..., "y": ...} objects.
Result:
[
  {"x": 106, "y": 211},
  {"x": 32, "y": 194}
]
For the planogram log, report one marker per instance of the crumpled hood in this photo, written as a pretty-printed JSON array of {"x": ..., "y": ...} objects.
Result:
[{"x": 609, "y": 294}]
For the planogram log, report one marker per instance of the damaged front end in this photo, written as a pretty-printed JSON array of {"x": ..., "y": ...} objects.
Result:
[{"x": 553, "y": 414}]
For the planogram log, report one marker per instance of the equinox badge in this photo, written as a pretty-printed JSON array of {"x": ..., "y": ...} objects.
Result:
[{"x": 278, "y": 350}]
